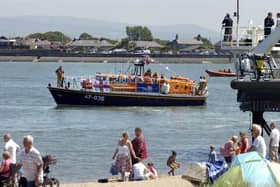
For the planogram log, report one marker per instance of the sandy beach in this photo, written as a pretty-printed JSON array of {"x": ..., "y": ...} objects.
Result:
[{"x": 176, "y": 181}]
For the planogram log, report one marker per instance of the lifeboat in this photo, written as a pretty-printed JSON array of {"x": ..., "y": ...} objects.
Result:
[{"x": 220, "y": 73}]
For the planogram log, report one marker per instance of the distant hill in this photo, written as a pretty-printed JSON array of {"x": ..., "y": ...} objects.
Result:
[{"x": 22, "y": 26}]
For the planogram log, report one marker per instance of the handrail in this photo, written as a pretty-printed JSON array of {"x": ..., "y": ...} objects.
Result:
[{"x": 246, "y": 38}]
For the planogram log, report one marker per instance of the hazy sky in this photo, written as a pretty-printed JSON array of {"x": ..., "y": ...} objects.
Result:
[{"x": 206, "y": 13}]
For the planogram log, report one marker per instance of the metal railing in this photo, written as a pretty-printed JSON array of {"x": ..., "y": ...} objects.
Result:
[{"x": 241, "y": 38}]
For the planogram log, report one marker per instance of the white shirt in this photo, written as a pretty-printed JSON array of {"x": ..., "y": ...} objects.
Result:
[
  {"x": 30, "y": 162},
  {"x": 260, "y": 145},
  {"x": 274, "y": 136},
  {"x": 123, "y": 150},
  {"x": 139, "y": 171},
  {"x": 12, "y": 148}
]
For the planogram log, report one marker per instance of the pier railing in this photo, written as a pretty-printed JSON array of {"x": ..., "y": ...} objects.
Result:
[{"x": 243, "y": 38}]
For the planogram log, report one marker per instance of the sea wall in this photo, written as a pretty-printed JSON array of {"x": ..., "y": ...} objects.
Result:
[{"x": 113, "y": 59}]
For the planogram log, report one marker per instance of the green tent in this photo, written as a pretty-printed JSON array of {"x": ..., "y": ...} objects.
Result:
[{"x": 250, "y": 170}]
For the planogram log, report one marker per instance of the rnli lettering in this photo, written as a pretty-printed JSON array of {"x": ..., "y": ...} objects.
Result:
[{"x": 95, "y": 97}]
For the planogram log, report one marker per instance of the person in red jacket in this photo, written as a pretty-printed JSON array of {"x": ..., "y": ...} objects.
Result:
[{"x": 139, "y": 145}]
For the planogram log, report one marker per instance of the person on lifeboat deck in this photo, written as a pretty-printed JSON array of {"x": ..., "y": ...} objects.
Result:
[{"x": 60, "y": 77}]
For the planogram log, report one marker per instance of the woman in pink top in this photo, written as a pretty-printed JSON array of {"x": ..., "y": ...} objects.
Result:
[
  {"x": 228, "y": 149},
  {"x": 244, "y": 142},
  {"x": 5, "y": 167}
]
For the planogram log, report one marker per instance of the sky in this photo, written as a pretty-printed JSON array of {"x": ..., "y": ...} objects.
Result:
[{"x": 206, "y": 13}]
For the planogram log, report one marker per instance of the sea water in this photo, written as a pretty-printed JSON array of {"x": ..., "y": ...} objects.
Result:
[{"x": 84, "y": 138}]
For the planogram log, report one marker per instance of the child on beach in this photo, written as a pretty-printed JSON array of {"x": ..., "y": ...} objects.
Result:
[
  {"x": 212, "y": 156},
  {"x": 172, "y": 164},
  {"x": 238, "y": 148},
  {"x": 152, "y": 169}
]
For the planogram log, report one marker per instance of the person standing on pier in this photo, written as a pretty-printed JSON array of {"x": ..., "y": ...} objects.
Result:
[
  {"x": 60, "y": 77},
  {"x": 273, "y": 143},
  {"x": 268, "y": 23},
  {"x": 227, "y": 24},
  {"x": 139, "y": 145},
  {"x": 278, "y": 19}
]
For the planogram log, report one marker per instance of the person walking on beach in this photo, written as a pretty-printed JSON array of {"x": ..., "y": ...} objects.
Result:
[
  {"x": 30, "y": 160},
  {"x": 227, "y": 24},
  {"x": 139, "y": 145},
  {"x": 122, "y": 156},
  {"x": 258, "y": 143},
  {"x": 244, "y": 142},
  {"x": 274, "y": 143},
  {"x": 227, "y": 150},
  {"x": 172, "y": 164},
  {"x": 268, "y": 23},
  {"x": 60, "y": 77},
  {"x": 12, "y": 147}
]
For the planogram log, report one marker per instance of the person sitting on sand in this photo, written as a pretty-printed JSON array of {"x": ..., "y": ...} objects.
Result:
[
  {"x": 140, "y": 171},
  {"x": 212, "y": 156},
  {"x": 172, "y": 164},
  {"x": 152, "y": 169},
  {"x": 123, "y": 155}
]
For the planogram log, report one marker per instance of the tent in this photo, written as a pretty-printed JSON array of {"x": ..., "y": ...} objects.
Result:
[{"x": 250, "y": 170}]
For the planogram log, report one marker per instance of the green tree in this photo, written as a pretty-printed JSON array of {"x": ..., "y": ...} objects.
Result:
[
  {"x": 85, "y": 36},
  {"x": 137, "y": 33},
  {"x": 53, "y": 36}
]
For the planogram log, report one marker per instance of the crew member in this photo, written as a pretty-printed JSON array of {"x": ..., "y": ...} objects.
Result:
[
  {"x": 268, "y": 23},
  {"x": 227, "y": 24},
  {"x": 60, "y": 77}
]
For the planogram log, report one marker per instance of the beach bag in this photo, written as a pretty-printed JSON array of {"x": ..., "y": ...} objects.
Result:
[{"x": 113, "y": 170}]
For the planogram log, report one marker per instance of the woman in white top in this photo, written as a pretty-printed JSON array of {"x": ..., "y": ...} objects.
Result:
[
  {"x": 259, "y": 143},
  {"x": 123, "y": 155}
]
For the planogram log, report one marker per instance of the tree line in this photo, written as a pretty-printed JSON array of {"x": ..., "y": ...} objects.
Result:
[{"x": 134, "y": 33}]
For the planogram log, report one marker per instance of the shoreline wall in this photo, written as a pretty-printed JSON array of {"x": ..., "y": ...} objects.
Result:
[{"x": 194, "y": 60}]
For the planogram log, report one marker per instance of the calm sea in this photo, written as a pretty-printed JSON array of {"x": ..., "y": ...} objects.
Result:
[{"x": 84, "y": 138}]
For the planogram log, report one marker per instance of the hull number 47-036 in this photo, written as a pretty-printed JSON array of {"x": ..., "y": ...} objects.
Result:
[{"x": 95, "y": 97}]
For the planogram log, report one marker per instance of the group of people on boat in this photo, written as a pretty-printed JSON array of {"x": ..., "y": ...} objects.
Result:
[
  {"x": 225, "y": 71},
  {"x": 235, "y": 146},
  {"x": 149, "y": 82},
  {"x": 27, "y": 163}
]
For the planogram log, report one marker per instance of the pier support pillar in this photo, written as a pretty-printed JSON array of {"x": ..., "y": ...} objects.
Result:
[{"x": 259, "y": 119}]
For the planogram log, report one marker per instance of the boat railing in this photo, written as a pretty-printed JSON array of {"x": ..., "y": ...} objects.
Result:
[
  {"x": 243, "y": 38},
  {"x": 247, "y": 68}
]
